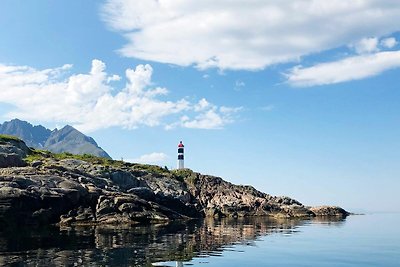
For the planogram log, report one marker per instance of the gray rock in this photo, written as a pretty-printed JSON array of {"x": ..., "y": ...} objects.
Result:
[
  {"x": 105, "y": 206},
  {"x": 11, "y": 160},
  {"x": 12, "y": 153},
  {"x": 142, "y": 192},
  {"x": 36, "y": 163},
  {"x": 329, "y": 211},
  {"x": 124, "y": 179},
  {"x": 72, "y": 163}
]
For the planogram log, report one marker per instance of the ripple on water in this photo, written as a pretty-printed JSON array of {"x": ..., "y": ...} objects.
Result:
[{"x": 226, "y": 242}]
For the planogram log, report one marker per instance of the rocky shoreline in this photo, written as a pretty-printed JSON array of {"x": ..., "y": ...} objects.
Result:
[{"x": 39, "y": 188}]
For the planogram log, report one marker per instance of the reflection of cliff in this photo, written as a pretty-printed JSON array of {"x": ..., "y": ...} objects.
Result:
[
  {"x": 136, "y": 246},
  {"x": 334, "y": 221}
]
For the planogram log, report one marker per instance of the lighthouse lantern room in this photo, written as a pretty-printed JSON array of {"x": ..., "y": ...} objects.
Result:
[{"x": 180, "y": 156}]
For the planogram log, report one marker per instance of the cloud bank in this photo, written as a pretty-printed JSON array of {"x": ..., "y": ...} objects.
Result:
[
  {"x": 90, "y": 102},
  {"x": 247, "y": 34},
  {"x": 352, "y": 68}
]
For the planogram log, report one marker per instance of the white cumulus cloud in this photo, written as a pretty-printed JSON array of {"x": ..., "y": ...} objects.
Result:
[
  {"x": 389, "y": 42},
  {"x": 90, "y": 102},
  {"x": 152, "y": 158},
  {"x": 245, "y": 34},
  {"x": 209, "y": 116},
  {"x": 351, "y": 68},
  {"x": 367, "y": 45}
]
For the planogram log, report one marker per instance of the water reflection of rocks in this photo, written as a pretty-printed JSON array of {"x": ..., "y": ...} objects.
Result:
[{"x": 138, "y": 246}]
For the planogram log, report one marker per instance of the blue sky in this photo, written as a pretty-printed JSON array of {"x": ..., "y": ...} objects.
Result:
[{"x": 304, "y": 104}]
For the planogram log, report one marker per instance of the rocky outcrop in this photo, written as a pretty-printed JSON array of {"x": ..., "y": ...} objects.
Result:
[
  {"x": 329, "y": 211},
  {"x": 12, "y": 152},
  {"x": 101, "y": 191},
  {"x": 223, "y": 199}
]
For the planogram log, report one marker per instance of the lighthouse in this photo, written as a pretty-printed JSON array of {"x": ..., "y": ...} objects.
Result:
[{"x": 180, "y": 156}]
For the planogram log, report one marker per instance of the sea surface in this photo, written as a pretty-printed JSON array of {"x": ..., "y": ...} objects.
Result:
[{"x": 358, "y": 240}]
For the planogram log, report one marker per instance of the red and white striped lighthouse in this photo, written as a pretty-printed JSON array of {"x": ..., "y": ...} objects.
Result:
[{"x": 180, "y": 156}]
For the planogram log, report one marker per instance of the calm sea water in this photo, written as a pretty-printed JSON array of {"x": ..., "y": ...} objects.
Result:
[{"x": 362, "y": 240}]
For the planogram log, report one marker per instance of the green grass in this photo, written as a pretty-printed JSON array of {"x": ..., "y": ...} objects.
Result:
[
  {"x": 6, "y": 137},
  {"x": 154, "y": 169},
  {"x": 37, "y": 155},
  {"x": 43, "y": 154},
  {"x": 186, "y": 175}
]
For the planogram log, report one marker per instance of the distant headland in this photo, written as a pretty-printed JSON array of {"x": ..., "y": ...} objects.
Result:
[{"x": 39, "y": 187}]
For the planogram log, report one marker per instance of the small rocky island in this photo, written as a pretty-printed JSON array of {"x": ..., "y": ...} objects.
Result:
[{"x": 39, "y": 187}]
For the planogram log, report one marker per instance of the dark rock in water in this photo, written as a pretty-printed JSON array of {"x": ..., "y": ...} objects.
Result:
[
  {"x": 72, "y": 191},
  {"x": 329, "y": 211}
]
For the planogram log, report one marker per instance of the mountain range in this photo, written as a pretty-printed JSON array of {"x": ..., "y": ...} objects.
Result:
[{"x": 66, "y": 139}]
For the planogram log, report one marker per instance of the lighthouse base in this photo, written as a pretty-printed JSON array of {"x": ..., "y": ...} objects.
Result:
[{"x": 180, "y": 164}]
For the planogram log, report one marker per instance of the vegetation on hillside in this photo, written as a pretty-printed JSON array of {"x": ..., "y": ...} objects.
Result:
[
  {"x": 6, "y": 137},
  {"x": 38, "y": 154},
  {"x": 185, "y": 175},
  {"x": 43, "y": 155}
]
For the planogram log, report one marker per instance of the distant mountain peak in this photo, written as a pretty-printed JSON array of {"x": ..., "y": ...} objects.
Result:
[
  {"x": 66, "y": 139},
  {"x": 34, "y": 136},
  {"x": 68, "y": 127}
]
